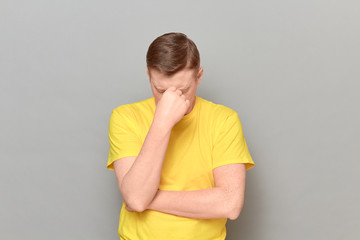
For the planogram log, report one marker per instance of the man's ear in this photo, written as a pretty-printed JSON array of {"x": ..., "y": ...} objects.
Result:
[
  {"x": 199, "y": 76},
  {"x": 147, "y": 71}
]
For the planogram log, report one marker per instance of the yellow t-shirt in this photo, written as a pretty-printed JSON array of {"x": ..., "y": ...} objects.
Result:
[{"x": 208, "y": 137}]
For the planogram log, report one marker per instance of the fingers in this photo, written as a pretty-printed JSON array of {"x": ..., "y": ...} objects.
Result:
[
  {"x": 178, "y": 91},
  {"x": 172, "y": 88}
]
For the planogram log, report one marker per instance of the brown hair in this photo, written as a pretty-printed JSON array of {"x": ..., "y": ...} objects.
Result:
[{"x": 172, "y": 52}]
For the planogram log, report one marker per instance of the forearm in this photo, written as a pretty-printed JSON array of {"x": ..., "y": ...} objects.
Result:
[
  {"x": 141, "y": 182},
  {"x": 204, "y": 203}
]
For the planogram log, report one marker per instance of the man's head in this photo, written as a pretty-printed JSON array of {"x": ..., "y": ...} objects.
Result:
[{"x": 174, "y": 60}]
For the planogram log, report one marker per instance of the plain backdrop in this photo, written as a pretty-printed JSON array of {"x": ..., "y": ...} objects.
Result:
[{"x": 291, "y": 70}]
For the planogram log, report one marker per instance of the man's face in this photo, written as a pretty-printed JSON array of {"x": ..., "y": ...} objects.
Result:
[{"x": 185, "y": 80}]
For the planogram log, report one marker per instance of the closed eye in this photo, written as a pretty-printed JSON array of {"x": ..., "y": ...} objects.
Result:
[{"x": 183, "y": 91}]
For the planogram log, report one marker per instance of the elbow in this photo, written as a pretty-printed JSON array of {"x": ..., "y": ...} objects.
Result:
[
  {"x": 133, "y": 202},
  {"x": 137, "y": 207},
  {"x": 233, "y": 215},
  {"x": 235, "y": 210}
]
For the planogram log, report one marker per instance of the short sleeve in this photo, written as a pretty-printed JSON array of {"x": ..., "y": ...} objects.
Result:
[
  {"x": 230, "y": 145},
  {"x": 123, "y": 138}
]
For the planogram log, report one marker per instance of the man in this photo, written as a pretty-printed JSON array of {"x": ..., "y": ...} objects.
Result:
[{"x": 180, "y": 160}]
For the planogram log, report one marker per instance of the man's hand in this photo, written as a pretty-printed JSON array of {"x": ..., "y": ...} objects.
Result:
[{"x": 171, "y": 107}]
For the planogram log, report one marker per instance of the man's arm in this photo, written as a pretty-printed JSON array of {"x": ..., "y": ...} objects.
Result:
[
  {"x": 223, "y": 201},
  {"x": 140, "y": 184}
]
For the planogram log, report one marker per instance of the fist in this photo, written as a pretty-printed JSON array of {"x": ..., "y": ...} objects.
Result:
[{"x": 172, "y": 106}]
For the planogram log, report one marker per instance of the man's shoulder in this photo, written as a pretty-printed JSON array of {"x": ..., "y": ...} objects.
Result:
[
  {"x": 147, "y": 104},
  {"x": 217, "y": 109}
]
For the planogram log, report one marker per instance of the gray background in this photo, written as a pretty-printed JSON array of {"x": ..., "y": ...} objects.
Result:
[{"x": 289, "y": 68}]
